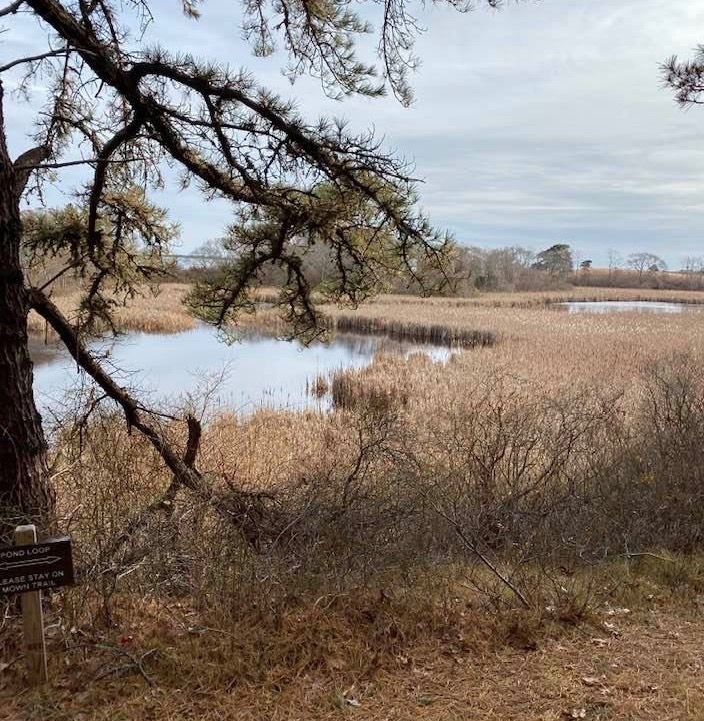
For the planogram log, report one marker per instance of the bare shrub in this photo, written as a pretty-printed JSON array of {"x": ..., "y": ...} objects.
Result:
[
  {"x": 511, "y": 490},
  {"x": 648, "y": 491}
]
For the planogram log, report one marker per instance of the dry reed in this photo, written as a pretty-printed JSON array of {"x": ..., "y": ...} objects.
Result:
[
  {"x": 573, "y": 439},
  {"x": 162, "y": 312}
]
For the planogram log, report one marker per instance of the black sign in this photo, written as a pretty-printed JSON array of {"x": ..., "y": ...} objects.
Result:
[{"x": 36, "y": 567}]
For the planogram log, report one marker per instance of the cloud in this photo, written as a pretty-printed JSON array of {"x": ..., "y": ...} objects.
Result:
[{"x": 540, "y": 122}]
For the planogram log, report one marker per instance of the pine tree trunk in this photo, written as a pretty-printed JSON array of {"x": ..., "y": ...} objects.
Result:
[{"x": 24, "y": 487}]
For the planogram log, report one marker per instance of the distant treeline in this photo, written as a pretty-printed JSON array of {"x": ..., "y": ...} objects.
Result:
[
  {"x": 470, "y": 269},
  {"x": 476, "y": 270},
  {"x": 626, "y": 278}
]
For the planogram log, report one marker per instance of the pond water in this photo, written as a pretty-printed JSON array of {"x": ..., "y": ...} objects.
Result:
[
  {"x": 627, "y": 306},
  {"x": 252, "y": 373}
]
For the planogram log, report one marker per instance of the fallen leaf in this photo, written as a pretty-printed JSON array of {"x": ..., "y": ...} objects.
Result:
[{"x": 591, "y": 681}]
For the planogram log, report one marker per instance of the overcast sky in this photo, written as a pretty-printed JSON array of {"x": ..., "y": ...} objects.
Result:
[{"x": 543, "y": 122}]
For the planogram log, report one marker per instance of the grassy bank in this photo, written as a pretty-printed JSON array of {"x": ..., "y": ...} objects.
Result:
[{"x": 162, "y": 312}]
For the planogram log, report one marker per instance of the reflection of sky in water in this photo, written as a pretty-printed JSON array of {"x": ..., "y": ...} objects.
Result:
[
  {"x": 258, "y": 371},
  {"x": 619, "y": 306}
]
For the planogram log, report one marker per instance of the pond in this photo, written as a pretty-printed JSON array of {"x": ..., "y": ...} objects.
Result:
[
  {"x": 255, "y": 372},
  {"x": 627, "y": 306}
]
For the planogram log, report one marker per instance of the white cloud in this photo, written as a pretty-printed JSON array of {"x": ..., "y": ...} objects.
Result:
[{"x": 543, "y": 121}]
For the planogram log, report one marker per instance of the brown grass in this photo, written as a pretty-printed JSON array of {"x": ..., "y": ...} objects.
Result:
[
  {"x": 148, "y": 313},
  {"x": 350, "y": 615},
  {"x": 376, "y": 658},
  {"x": 526, "y": 299},
  {"x": 538, "y": 343}
]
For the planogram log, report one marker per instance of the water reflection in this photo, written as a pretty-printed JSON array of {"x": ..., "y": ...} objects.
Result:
[
  {"x": 623, "y": 306},
  {"x": 255, "y": 372}
]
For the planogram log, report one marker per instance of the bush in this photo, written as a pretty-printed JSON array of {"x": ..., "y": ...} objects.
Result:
[{"x": 508, "y": 488}]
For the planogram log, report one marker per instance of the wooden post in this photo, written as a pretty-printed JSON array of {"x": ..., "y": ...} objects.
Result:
[{"x": 32, "y": 619}]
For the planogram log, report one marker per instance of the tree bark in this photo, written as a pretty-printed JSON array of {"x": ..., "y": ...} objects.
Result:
[{"x": 24, "y": 487}]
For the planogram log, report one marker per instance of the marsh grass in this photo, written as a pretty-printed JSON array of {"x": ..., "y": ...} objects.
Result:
[
  {"x": 435, "y": 333},
  {"x": 531, "y": 299},
  {"x": 565, "y": 459},
  {"x": 161, "y": 312}
]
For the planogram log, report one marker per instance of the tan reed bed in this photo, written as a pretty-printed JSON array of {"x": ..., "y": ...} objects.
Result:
[
  {"x": 540, "y": 345},
  {"x": 434, "y": 333},
  {"x": 162, "y": 312},
  {"x": 539, "y": 298},
  {"x": 224, "y": 630}
]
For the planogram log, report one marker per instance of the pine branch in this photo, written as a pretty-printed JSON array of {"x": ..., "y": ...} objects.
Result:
[{"x": 11, "y": 8}]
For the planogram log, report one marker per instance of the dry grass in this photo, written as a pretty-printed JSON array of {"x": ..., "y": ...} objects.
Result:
[
  {"x": 357, "y": 608},
  {"x": 538, "y": 343},
  {"x": 377, "y": 658},
  {"x": 148, "y": 313},
  {"x": 544, "y": 297},
  {"x": 519, "y": 332},
  {"x": 418, "y": 332}
]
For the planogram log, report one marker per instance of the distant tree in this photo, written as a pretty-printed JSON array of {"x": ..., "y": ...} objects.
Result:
[
  {"x": 642, "y": 262},
  {"x": 693, "y": 264},
  {"x": 494, "y": 268},
  {"x": 586, "y": 265},
  {"x": 211, "y": 249},
  {"x": 556, "y": 260},
  {"x": 693, "y": 267},
  {"x": 615, "y": 261},
  {"x": 504, "y": 267}
]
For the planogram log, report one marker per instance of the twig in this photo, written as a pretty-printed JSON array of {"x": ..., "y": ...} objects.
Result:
[
  {"x": 34, "y": 58},
  {"x": 69, "y": 163},
  {"x": 134, "y": 664},
  {"x": 474, "y": 548},
  {"x": 649, "y": 555},
  {"x": 57, "y": 275},
  {"x": 11, "y": 8}
]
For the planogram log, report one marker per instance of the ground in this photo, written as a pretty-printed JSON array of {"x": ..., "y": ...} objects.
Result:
[{"x": 642, "y": 666}]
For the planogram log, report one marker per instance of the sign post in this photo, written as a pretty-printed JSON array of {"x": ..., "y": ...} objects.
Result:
[
  {"x": 32, "y": 619},
  {"x": 27, "y": 568}
]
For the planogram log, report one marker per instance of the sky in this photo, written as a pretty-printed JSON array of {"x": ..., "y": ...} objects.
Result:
[{"x": 539, "y": 123}]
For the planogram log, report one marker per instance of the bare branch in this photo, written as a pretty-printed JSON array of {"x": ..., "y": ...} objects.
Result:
[
  {"x": 474, "y": 548},
  {"x": 35, "y": 58},
  {"x": 11, "y": 8},
  {"x": 70, "y": 163},
  {"x": 57, "y": 275},
  {"x": 123, "y": 135}
]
